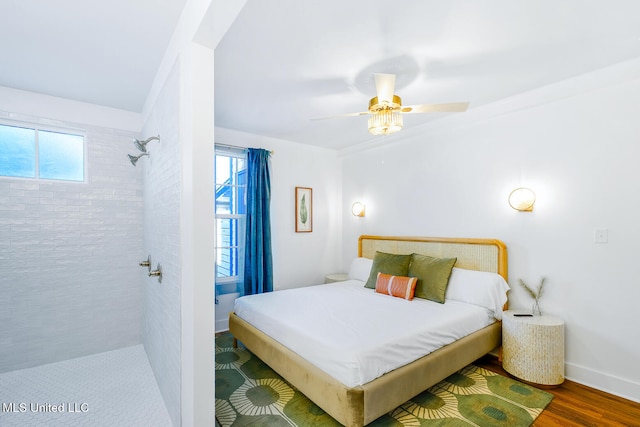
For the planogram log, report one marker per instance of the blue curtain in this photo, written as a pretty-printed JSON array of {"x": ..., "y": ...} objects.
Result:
[{"x": 258, "y": 268}]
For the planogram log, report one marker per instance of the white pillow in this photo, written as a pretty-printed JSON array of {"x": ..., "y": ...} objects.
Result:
[
  {"x": 360, "y": 269},
  {"x": 479, "y": 288}
]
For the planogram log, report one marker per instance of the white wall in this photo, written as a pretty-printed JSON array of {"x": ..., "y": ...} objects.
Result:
[
  {"x": 52, "y": 108},
  {"x": 69, "y": 251},
  {"x": 576, "y": 145},
  {"x": 299, "y": 258},
  {"x": 204, "y": 21},
  {"x": 197, "y": 234}
]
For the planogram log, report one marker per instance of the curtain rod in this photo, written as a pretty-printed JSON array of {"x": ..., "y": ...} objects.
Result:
[{"x": 234, "y": 147}]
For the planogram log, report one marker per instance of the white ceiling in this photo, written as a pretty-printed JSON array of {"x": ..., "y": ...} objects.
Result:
[
  {"x": 101, "y": 52},
  {"x": 284, "y": 62}
]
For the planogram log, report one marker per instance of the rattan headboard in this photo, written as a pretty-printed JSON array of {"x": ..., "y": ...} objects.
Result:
[{"x": 473, "y": 254}]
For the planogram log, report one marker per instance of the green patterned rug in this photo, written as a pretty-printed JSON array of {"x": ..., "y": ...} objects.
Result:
[{"x": 249, "y": 393}]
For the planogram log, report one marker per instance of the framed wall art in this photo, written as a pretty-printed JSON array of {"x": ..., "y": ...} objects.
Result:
[{"x": 304, "y": 210}]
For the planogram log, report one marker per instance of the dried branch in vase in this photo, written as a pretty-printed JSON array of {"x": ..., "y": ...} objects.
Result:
[{"x": 535, "y": 294}]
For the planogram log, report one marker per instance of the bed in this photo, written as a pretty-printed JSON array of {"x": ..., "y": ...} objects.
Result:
[{"x": 361, "y": 398}]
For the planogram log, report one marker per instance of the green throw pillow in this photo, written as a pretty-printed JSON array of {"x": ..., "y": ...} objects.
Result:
[
  {"x": 395, "y": 265},
  {"x": 433, "y": 276}
]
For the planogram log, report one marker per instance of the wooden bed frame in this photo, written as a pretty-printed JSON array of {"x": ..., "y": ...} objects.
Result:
[{"x": 358, "y": 406}]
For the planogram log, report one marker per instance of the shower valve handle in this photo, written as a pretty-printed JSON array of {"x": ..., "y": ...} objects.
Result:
[
  {"x": 146, "y": 263},
  {"x": 157, "y": 273}
]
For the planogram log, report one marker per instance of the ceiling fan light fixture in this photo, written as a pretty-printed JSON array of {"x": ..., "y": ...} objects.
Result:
[
  {"x": 376, "y": 104},
  {"x": 386, "y": 110},
  {"x": 384, "y": 122}
]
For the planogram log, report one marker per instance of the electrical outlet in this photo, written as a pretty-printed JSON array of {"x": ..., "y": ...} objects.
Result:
[{"x": 601, "y": 235}]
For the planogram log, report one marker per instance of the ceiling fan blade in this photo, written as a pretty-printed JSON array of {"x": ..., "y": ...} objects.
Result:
[
  {"x": 385, "y": 84},
  {"x": 452, "y": 107},
  {"x": 362, "y": 113}
]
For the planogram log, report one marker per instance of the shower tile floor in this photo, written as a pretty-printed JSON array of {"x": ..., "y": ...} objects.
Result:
[{"x": 116, "y": 388}]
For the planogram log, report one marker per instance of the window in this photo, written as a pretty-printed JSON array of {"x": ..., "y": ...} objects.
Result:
[
  {"x": 230, "y": 213},
  {"x": 31, "y": 152}
]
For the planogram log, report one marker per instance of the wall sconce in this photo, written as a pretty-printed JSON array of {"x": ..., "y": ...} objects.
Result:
[
  {"x": 522, "y": 199},
  {"x": 357, "y": 209}
]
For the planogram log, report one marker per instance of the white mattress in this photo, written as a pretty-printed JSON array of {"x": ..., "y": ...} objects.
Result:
[{"x": 354, "y": 334}]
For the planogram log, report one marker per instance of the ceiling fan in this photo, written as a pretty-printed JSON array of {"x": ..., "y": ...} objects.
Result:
[{"x": 386, "y": 108}]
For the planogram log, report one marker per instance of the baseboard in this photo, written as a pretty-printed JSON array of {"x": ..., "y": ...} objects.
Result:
[
  {"x": 608, "y": 383},
  {"x": 222, "y": 325}
]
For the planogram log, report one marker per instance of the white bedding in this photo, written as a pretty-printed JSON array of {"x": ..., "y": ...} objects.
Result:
[{"x": 355, "y": 334}]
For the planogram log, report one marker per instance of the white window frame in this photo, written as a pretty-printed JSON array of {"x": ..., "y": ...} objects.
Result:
[
  {"x": 239, "y": 153},
  {"x": 49, "y": 128}
]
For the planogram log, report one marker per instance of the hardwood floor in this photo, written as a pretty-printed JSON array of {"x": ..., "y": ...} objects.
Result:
[{"x": 577, "y": 405}]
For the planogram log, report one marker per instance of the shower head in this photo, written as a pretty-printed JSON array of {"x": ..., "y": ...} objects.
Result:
[
  {"x": 134, "y": 159},
  {"x": 142, "y": 145}
]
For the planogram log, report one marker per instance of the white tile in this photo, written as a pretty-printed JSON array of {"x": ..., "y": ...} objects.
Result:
[{"x": 115, "y": 388}]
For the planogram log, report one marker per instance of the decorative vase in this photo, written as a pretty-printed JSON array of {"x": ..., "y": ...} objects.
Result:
[{"x": 535, "y": 309}]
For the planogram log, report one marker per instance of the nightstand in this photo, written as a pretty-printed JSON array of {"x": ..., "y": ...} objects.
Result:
[
  {"x": 533, "y": 348},
  {"x": 336, "y": 277}
]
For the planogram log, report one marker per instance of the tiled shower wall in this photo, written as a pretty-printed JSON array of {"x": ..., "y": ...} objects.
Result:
[
  {"x": 69, "y": 252},
  {"x": 162, "y": 190}
]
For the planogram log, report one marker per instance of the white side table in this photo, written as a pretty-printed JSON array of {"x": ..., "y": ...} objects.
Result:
[
  {"x": 533, "y": 348},
  {"x": 336, "y": 277}
]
